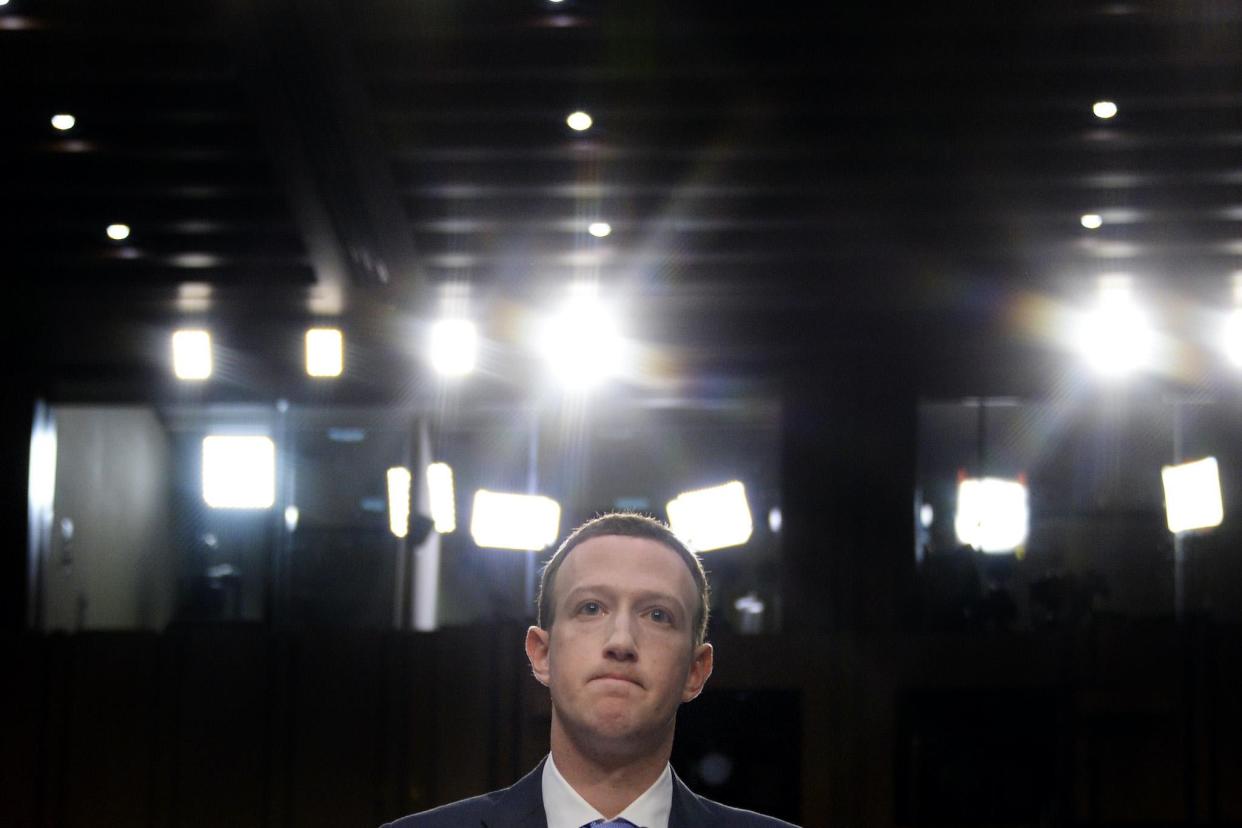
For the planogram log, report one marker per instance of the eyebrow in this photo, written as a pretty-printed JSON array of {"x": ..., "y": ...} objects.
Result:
[{"x": 642, "y": 595}]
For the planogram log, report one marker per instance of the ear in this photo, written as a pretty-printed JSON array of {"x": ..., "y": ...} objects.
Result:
[
  {"x": 537, "y": 641},
  {"x": 700, "y": 670}
]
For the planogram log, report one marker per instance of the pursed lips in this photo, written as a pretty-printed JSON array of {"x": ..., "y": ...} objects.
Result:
[{"x": 618, "y": 677}]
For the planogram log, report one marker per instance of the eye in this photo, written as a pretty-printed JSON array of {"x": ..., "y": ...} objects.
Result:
[
  {"x": 661, "y": 616},
  {"x": 590, "y": 608}
]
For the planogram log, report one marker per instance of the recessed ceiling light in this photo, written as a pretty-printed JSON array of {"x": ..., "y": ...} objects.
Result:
[
  {"x": 62, "y": 121},
  {"x": 599, "y": 229},
  {"x": 1091, "y": 221},
  {"x": 1104, "y": 109},
  {"x": 118, "y": 232},
  {"x": 579, "y": 121}
]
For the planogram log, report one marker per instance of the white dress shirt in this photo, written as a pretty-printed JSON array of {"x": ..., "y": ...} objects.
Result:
[{"x": 565, "y": 807}]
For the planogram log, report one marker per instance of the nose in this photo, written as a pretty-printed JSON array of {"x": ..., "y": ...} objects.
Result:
[{"x": 620, "y": 645}]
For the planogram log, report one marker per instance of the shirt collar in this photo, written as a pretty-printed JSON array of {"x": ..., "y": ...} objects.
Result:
[{"x": 565, "y": 808}]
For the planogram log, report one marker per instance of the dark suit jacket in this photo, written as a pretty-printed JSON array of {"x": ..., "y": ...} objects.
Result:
[{"x": 521, "y": 806}]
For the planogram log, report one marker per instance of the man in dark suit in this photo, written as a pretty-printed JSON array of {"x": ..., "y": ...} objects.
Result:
[{"x": 620, "y": 644}]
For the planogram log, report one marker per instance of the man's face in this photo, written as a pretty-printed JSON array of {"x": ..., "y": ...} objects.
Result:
[{"x": 619, "y": 658}]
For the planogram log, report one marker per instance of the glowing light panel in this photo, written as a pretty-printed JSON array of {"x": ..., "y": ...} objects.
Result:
[
  {"x": 1104, "y": 109},
  {"x": 399, "y": 501},
  {"x": 712, "y": 518},
  {"x": 1233, "y": 337},
  {"x": 191, "y": 354},
  {"x": 1192, "y": 497},
  {"x": 42, "y": 482},
  {"x": 440, "y": 496},
  {"x": 582, "y": 342},
  {"x": 118, "y": 232},
  {"x": 992, "y": 514},
  {"x": 1091, "y": 221},
  {"x": 599, "y": 229},
  {"x": 193, "y": 260},
  {"x": 749, "y": 604},
  {"x": 239, "y": 472},
  {"x": 579, "y": 121},
  {"x": 325, "y": 352},
  {"x": 63, "y": 121},
  {"x": 1115, "y": 338},
  {"x": 514, "y": 521},
  {"x": 454, "y": 347}
]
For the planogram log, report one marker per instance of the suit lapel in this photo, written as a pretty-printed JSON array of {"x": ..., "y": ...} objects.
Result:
[
  {"x": 687, "y": 811},
  {"x": 520, "y": 805}
]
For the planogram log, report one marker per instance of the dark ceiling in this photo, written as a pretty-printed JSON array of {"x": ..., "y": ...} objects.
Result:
[{"x": 775, "y": 179}]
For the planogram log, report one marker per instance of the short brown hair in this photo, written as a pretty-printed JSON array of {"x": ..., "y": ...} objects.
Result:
[{"x": 628, "y": 525}]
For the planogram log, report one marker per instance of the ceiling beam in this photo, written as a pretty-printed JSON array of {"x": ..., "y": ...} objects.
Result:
[{"x": 314, "y": 110}]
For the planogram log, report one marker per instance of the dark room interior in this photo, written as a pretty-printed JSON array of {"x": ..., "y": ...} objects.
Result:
[{"x": 921, "y": 323}]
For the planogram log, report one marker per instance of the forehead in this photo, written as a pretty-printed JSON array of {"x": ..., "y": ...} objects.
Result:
[{"x": 629, "y": 563}]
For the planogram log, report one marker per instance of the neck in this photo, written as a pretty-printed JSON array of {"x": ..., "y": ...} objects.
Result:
[{"x": 609, "y": 782}]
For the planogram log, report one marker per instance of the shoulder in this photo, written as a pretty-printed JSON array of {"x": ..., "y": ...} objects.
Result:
[
  {"x": 690, "y": 809},
  {"x": 453, "y": 815},
  {"x": 522, "y": 800},
  {"x": 723, "y": 815}
]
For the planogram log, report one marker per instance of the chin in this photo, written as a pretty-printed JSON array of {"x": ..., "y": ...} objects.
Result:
[
  {"x": 607, "y": 725},
  {"x": 614, "y": 726},
  {"x": 623, "y": 733}
]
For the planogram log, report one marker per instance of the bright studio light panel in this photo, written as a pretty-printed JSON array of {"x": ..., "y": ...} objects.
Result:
[
  {"x": 1233, "y": 337},
  {"x": 1192, "y": 497},
  {"x": 398, "y": 478},
  {"x": 499, "y": 520},
  {"x": 582, "y": 342},
  {"x": 325, "y": 352},
  {"x": 191, "y": 354},
  {"x": 440, "y": 497},
  {"x": 239, "y": 472},
  {"x": 992, "y": 514},
  {"x": 453, "y": 347},
  {"x": 712, "y": 518},
  {"x": 1116, "y": 337}
]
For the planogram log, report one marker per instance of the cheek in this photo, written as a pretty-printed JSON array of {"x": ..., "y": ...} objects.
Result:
[
  {"x": 673, "y": 668},
  {"x": 568, "y": 654}
]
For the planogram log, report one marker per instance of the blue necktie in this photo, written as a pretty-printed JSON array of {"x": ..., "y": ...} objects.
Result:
[{"x": 610, "y": 823}]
